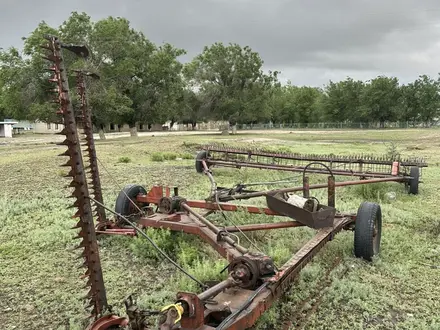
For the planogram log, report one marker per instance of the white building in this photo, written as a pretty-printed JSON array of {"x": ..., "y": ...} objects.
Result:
[
  {"x": 6, "y": 128},
  {"x": 47, "y": 128}
]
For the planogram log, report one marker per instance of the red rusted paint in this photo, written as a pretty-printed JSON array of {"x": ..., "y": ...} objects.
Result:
[
  {"x": 107, "y": 322},
  {"x": 230, "y": 207},
  {"x": 194, "y": 310},
  {"x": 264, "y": 226},
  {"x": 191, "y": 226},
  {"x": 331, "y": 191},
  {"x": 154, "y": 196},
  {"x": 234, "y": 298},
  {"x": 123, "y": 232}
]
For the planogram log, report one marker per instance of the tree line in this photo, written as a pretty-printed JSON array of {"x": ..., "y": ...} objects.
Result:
[{"x": 141, "y": 82}]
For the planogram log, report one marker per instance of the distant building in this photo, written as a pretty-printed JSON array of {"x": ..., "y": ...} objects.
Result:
[
  {"x": 47, "y": 128},
  {"x": 22, "y": 126},
  {"x": 6, "y": 128}
]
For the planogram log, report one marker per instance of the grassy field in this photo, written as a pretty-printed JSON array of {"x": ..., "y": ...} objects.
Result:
[{"x": 39, "y": 276}]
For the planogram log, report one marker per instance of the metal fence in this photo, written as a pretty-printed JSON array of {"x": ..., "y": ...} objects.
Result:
[{"x": 345, "y": 125}]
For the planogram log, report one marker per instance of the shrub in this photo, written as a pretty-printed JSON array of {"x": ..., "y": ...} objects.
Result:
[
  {"x": 157, "y": 157},
  {"x": 374, "y": 192},
  {"x": 204, "y": 270},
  {"x": 124, "y": 159},
  {"x": 169, "y": 155},
  {"x": 186, "y": 155},
  {"x": 161, "y": 156},
  {"x": 162, "y": 237}
]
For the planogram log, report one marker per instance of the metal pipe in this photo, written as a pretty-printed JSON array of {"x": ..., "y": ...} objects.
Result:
[
  {"x": 264, "y": 226},
  {"x": 331, "y": 191},
  {"x": 217, "y": 288},
  {"x": 297, "y": 168},
  {"x": 120, "y": 233},
  {"x": 230, "y": 207},
  {"x": 306, "y": 185},
  {"x": 314, "y": 186},
  {"x": 211, "y": 178},
  {"x": 206, "y": 222},
  {"x": 213, "y": 228}
]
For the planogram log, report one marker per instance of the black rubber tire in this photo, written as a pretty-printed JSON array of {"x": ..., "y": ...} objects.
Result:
[
  {"x": 413, "y": 184},
  {"x": 123, "y": 204},
  {"x": 201, "y": 155},
  {"x": 368, "y": 231}
]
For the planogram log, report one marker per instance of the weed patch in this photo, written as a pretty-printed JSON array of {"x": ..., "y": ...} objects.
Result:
[
  {"x": 157, "y": 157},
  {"x": 162, "y": 156},
  {"x": 124, "y": 159}
]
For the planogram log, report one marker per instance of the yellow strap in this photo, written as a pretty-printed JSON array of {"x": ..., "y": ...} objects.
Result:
[{"x": 178, "y": 308}]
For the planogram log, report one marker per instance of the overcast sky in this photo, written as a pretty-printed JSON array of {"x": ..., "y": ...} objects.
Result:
[{"x": 309, "y": 41}]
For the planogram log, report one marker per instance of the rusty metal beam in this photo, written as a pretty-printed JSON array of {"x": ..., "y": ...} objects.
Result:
[
  {"x": 292, "y": 168},
  {"x": 211, "y": 206},
  {"x": 263, "y": 226},
  {"x": 214, "y": 229},
  {"x": 277, "y": 284},
  {"x": 191, "y": 225},
  {"x": 314, "y": 186}
]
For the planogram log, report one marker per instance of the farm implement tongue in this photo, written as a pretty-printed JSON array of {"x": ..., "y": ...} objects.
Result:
[{"x": 252, "y": 281}]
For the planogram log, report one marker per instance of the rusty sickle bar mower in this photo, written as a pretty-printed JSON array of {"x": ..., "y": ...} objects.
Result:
[
  {"x": 368, "y": 169},
  {"x": 252, "y": 281}
]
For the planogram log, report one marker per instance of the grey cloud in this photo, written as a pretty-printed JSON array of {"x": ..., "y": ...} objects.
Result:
[{"x": 309, "y": 41}]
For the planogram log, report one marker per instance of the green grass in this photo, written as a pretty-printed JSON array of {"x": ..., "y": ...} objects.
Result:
[
  {"x": 39, "y": 276},
  {"x": 163, "y": 156},
  {"x": 124, "y": 159}
]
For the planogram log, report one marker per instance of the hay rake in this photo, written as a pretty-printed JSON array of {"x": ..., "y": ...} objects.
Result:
[{"x": 366, "y": 168}]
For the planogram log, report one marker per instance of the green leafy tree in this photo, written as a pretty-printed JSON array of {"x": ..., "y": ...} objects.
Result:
[
  {"x": 16, "y": 86},
  {"x": 428, "y": 98},
  {"x": 140, "y": 82},
  {"x": 39, "y": 104},
  {"x": 189, "y": 108},
  {"x": 77, "y": 29},
  {"x": 117, "y": 54},
  {"x": 234, "y": 86},
  {"x": 342, "y": 100},
  {"x": 293, "y": 104},
  {"x": 159, "y": 88},
  {"x": 380, "y": 100},
  {"x": 410, "y": 110},
  {"x": 146, "y": 74}
]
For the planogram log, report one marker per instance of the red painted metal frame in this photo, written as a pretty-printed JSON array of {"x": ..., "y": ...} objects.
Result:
[
  {"x": 208, "y": 304},
  {"x": 108, "y": 322},
  {"x": 156, "y": 193},
  {"x": 197, "y": 312}
]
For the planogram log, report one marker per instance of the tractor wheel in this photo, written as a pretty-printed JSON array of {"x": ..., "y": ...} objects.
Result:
[
  {"x": 368, "y": 230},
  {"x": 413, "y": 184},
  {"x": 124, "y": 203},
  {"x": 202, "y": 155}
]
